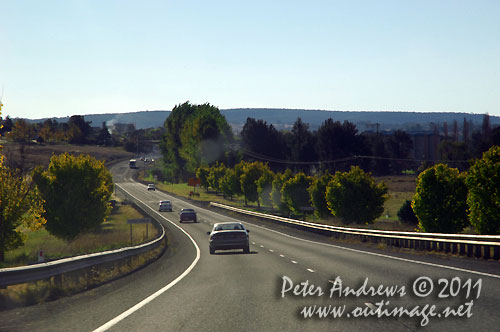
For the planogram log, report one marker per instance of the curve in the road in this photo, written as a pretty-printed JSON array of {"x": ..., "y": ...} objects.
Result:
[{"x": 150, "y": 298}]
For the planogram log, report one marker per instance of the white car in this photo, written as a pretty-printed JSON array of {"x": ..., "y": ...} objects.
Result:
[{"x": 151, "y": 186}]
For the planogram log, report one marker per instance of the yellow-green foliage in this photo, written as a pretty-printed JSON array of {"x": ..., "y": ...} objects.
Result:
[
  {"x": 440, "y": 200},
  {"x": 355, "y": 197},
  {"x": 483, "y": 182},
  {"x": 20, "y": 204},
  {"x": 76, "y": 190}
]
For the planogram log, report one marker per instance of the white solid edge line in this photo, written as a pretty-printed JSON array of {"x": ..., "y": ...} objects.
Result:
[
  {"x": 373, "y": 253},
  {"x": 150, "y": 298}
]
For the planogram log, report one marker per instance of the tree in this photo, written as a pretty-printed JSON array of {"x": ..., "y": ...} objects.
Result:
[
  {"x": 248, "y": 180},
  {"x": 104, "y": 137},
  {"x": 399, "y": 145},
  {"x": 202, "y": 173},
  {"x": 217, "y": 171},
  {"x": 483, "y": 199},
  {"x": 301, "y": 144},
  {"x": 317, "y": 192},
  {"x": 229, "y": 183},
  {"x": 79, "y": 129},
  {"x": 6, "y": 125},
  {"x": 20, "y": 203},
  {"x": 440, "y": 200},
  {"x": 406, "y": 214},
  {"x": 76, "y": 190},
  {"x": 265, "y": 186},
  {"x": 336, "y": 140},
  {"x": 355, "y": 197},
  {"x": 277, "y": 184},
  {"x": 195, "y": 135},
  {"x": 294, "y": 193},
  {"x": 262, "y": 141},
  {"x": 22, "y": 131}
]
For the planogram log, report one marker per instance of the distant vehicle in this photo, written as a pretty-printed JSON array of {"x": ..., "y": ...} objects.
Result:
[
  {"x": 132, "y": 163},
  {"x": 229, "y": 235},
  {"x": 151, "y": 186},
  {"x": 165, "y": 206},
  {"x": 187, "y": 214}
]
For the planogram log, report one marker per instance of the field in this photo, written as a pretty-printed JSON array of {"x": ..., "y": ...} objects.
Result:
[{"x": 30, "y": 155}]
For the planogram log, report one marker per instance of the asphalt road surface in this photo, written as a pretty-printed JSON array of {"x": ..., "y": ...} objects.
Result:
[{"x": 288, "y": 275}]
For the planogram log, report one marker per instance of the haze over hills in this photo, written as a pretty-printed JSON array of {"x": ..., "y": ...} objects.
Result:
[{"x": 284, "y": 118}]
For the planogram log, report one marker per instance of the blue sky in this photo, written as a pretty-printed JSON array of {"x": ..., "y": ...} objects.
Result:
[{"x": 59, "y": 58}]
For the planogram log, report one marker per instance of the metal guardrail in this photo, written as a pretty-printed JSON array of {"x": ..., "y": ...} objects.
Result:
[
  {"x": 22, "y": 274},
  {"x": 485, "y": 246}
]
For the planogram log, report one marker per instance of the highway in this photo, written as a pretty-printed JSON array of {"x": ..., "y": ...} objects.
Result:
[{"x": 187, "y": 289}]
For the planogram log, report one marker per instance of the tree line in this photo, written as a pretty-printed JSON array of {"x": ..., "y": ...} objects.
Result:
[
  {"x": 79, "y": 131},
  {"x": 197, "y": 135},
  {"x": 353, "y": 196},
  {"x": 446, "y": 200}
]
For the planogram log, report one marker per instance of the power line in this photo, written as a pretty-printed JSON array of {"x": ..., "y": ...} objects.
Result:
[{"x": 291, "y": 162}]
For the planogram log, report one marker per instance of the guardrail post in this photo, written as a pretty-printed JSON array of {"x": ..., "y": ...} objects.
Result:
[
  {"x": 462, "y": 249},
  {"x": 454, "y": 248},
  {"x": 496, "y": 253},
  {"x": 447, "y": 247},
  {"x": 478, "y": 250},
  {"x": 434, "y": 245},
  {"x": 486, "y": 252},
  {"x": 428, "y": 245},
  {"x": 470, "y": 249}
]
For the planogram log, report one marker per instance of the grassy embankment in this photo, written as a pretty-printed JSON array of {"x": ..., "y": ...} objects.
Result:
[
  {"x": 400, "y": 188},
  {"x": 112, "y": 234}
]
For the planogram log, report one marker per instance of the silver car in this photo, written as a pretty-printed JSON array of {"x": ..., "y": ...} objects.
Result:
[
  {"x": 229, "y": 235},
  {"x": 165, "y": 206}
]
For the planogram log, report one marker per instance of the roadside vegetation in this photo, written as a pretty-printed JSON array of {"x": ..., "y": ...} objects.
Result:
[
  {"x": 330, "y": 174},
  {"x": 55, "y": 198},
  {"x": 112, "y": 234}
]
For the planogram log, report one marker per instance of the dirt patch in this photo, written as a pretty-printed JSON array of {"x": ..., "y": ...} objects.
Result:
[{"x": 399, "y": 183}]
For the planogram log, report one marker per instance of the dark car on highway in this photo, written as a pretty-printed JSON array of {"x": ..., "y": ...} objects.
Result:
[
  {"x": 229, "y": 235},
  {"x": 187, "y": 214}
]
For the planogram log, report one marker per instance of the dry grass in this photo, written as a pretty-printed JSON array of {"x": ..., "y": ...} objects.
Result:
[
  {"x": 113, "y": 234},
  {"x": 40, "y": 154},
  {"x": 70, "y": 283}
]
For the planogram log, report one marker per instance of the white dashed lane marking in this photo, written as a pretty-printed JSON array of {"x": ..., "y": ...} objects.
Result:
[
  {"x": 310, "y": 270},
  {"x": 282, "y": 256},
  {"x": 271, "y": 250},
  {"x": 294, "y": 262}
]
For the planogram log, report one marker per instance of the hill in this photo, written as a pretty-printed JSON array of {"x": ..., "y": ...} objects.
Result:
[{"x": 284, "y": 118}]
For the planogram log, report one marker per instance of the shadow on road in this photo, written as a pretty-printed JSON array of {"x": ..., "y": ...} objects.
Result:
[{"x": 235, "y": 253}]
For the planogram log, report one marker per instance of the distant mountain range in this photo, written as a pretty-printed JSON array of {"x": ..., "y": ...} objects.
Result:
[{"x": 284, "y": 118}]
